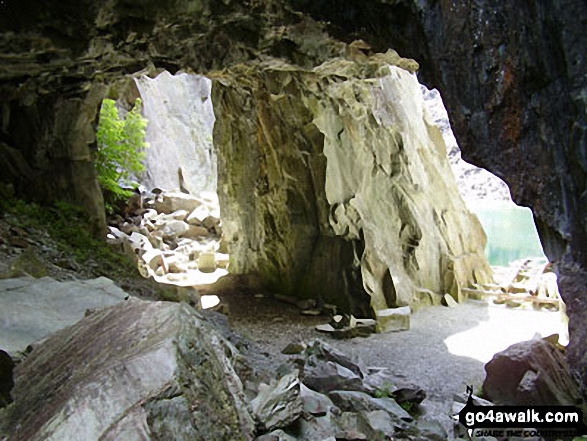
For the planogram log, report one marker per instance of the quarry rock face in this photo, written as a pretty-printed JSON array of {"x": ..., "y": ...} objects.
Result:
[
  {"x": 511, "y": 74},
  {"x": 174, "y": 369},
  {"x": 180, "y": 115},
  {"x": 360, "y": 131}
]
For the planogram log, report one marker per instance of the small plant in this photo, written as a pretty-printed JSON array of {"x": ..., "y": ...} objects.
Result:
[
  {"x": 385, "y": 391},
  {"x": 121, "y": 150}
]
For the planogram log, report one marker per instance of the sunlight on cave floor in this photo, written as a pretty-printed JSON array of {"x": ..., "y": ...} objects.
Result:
[{"x": 503, "y": 327}]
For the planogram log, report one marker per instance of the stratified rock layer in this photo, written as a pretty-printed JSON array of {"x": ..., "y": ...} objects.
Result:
[
  {"x": 139, "y": 370},
  {"x": 342, "y": 160}
]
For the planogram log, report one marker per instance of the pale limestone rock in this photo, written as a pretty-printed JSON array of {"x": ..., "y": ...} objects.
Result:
[
  {"x": 222, "y": 260},
  {"x": 199, "y": 214},
  {"x": 207, "y": 262},
  {"x": 387, "y": 165},
  {"x": 179, "y": 215},
  {"x": 194, "y": 232}
]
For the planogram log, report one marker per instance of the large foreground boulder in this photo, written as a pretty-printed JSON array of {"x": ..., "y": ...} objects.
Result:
[{"x": 135, "y": 371}]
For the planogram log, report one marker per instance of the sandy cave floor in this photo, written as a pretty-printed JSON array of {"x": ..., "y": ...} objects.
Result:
[{"x": 444, "y": 351}]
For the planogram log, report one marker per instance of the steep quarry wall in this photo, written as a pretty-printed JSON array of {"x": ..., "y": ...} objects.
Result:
[
  {"x": 179, "y": 133},
  {"x": 512, "y": 75},
  {"x": 342, "y": 160}
]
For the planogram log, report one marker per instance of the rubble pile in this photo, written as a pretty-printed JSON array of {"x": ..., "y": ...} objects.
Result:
[{"x": 175, "y": 237}]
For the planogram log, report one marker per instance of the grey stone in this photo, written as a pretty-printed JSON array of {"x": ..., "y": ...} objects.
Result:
[
  {"x": 34, "y": 308},
  {"x": 329, "y": 376},
  {"x": 170, "y": 202},
  {"x": 352, "y": 401},
  {"x": 316, "y": 404},
  {"x": 324, "y": 351},
  {"x": 294, "y": 348},
  {"x": 276, "y": 435},
  {"x": 378, "y": 423},
  {"x": 278, "y": 404},
  {"x": 318, "y": 428},
  {"x": 409, "y": 395},
  {"x": 176, "y": 373}
]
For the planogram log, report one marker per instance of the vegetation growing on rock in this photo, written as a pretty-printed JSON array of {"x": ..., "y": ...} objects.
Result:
[{"x": 121, "y": 150}]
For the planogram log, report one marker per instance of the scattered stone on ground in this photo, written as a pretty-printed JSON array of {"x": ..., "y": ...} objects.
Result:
[
  {"x": 347, "y": 326},
  {"x": 394, "y": 319},
  {"x": 176, "y": 239}
]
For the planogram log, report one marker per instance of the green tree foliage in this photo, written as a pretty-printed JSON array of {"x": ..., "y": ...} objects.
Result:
[{"x": 121, "y": 150}]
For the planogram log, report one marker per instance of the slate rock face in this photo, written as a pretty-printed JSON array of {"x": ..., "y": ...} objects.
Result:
[
  {"x": 367, "y": 167},
  {"x": 139, "y": 370},
  {"x": 512, "y": 76},
  {"x": 180, "y": 152}
]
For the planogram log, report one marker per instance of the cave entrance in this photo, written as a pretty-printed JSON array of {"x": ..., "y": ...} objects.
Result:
[
  {"x": 176, "y": 234},
  {"x": 523, "y": 277}
]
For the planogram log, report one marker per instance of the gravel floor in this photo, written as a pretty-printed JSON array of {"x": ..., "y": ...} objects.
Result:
[{"x": 445, "y": 349}]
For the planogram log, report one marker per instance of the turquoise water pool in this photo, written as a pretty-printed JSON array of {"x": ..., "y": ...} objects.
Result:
[{"x": 511, "y": 232}]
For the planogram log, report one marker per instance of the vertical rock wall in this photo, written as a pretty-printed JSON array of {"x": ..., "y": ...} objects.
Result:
[
  {"x": 179, "y": 132},
  {"x": 343, "y": 154},
  {"x": 54, "y": 160}
]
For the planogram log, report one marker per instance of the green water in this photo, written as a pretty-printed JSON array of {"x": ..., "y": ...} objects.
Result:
[{"x": 511, "y": 233}]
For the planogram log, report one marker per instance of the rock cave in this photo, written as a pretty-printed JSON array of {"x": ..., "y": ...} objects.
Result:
[{"x": 310, "y": 258}]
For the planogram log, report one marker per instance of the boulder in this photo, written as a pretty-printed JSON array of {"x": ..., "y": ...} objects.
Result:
[
  {"x": 316, "y": 404},
  {"x": 276, "y": 435},
  {"x": 278, "y": 404},
  {"x": 175, "y": 371},
  {"x": 530, "y": 373},
  {"x": 34, "y": 308},
  {"x": 174, "y": 228},
  {"x": 170, "y": 202},
  {"x": 196, "y": 232},
  {"x": 328, "y": 376},
  {"x": 323, "y": 351},
  {"x": 409, "y": 396}
]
